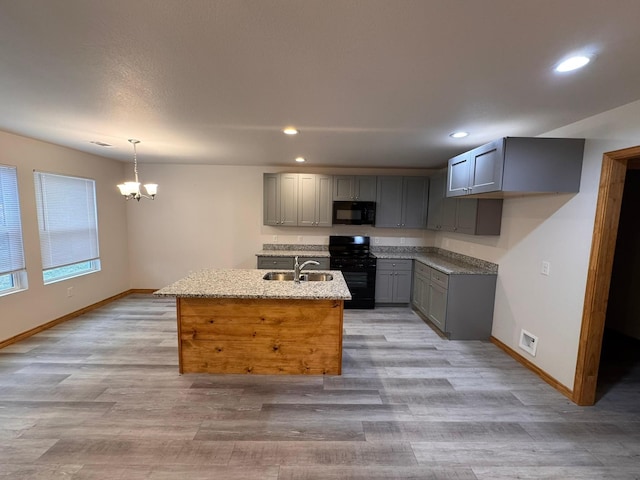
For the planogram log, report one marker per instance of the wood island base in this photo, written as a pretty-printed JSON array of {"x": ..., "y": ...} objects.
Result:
[{"x": 260, "y": 336}]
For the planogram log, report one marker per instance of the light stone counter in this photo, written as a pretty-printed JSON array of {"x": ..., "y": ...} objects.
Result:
[
  {"x": 236, "y": 283},
  {"x": 293, "y": 253},
  {"x": 442, "y": 263}
]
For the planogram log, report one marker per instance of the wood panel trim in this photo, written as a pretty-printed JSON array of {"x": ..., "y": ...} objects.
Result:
[
  {"x": 179, "y": 320},
  {"x": 69, "y": 316},
  {"x": 605, "y": 231},
  {"x": 534, "y": 368}
]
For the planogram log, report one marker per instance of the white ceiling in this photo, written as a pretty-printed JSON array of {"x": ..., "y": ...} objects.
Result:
[{"x": 369, "y": 83}]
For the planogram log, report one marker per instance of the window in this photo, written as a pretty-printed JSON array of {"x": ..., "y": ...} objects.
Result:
[
  {"x": 68, "y": 225},
  {"x": 13, "y": 276}
]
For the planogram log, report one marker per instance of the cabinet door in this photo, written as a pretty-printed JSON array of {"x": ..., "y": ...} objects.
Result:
[
  {"x": 402, "y": 286},
  {"x": 289, "y": 199},
  {"x": 485, "y": 168},
  {"x": 389, "y": 202},
  {"x": 365, "y": 188},
  {"x": 414, "y": 202},
  {"x": 420, "y": 292},
  {"x": 343, "y": 188},
  {"x": 271, "y": 206},
  {"x": 314, "y": 200},
  {"x": 466, "y": 215},
  {"x": 449, "y": 212},
  {"x": 458, "y": 175},
  {"x": 306, "y": 200},
  {"x": 437, "y": 186},
  {"x": 324, "y": 204},
  {"x": 437, "y": 305},
  {"x": 384, "y": 286},
  {"x": 416, "y": 298}
]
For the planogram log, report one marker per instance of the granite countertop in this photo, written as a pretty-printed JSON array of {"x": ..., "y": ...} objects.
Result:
[
  {"x": 293, "y": 253},
  {"x": 236, "y": 283},
  {"x": 442, "y": 263},
  {"x": 445, "y": 261}
]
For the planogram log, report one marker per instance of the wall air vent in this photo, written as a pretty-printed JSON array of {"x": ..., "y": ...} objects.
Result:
[
  {"x": 528, "y": 342},
  {"x": 100, "y": 144}
]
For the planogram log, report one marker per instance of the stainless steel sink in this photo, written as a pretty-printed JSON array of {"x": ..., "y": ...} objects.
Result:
[
  {"x": 279, "y": 276},
  {"x": 315, "y": 277},
  {"x": 304, "y": 277}
]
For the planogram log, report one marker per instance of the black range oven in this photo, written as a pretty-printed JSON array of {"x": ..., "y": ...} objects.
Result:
[{"x": 350, "y": 255}]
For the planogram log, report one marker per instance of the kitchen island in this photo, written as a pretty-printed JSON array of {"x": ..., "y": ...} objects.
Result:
[{"x": 234, "y": 321}]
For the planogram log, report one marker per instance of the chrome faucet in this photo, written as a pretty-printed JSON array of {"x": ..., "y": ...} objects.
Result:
[{"x": 297, "y": 268}]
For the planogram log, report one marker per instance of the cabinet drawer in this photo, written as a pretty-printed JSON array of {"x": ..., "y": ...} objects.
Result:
[
  {"x": 421, "y": 269},
  {"x": 439, "y": 278},
  {"x": 394, "y": 264},
  {"x": 323, "y": 261},
  {"x": 275, "y": 263}
]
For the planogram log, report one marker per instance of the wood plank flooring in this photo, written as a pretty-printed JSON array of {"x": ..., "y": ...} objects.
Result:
[{"x": 100, "y": 397}]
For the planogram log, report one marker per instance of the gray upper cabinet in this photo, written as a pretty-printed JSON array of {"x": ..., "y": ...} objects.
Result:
[
  {"x": 314, "y": 200},
  {"x": 354, "y": 188},
  {"x": 280, "y": 199},
  {"x": 472, "y": 216},
  {"x": 293, "y": 199},
  {"x": 517, "y": 166},
  {"x": 401, "y": 202}
]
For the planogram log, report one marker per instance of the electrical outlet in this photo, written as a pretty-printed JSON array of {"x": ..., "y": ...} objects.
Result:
[
  {"x": 70, "y": 292},
  {"x": 300, "y": 238},
  {"x": 376, "y": 240},
  {"x": 402, "y": 241},
  {"x": 275, "y": 238},
  {"x": 546, "y": 268}
]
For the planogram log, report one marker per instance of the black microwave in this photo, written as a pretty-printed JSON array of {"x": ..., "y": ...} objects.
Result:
[{"x": 354, "y": 213}]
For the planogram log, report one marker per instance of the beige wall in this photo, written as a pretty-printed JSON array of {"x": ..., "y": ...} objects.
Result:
[
  {"x": 557, "y": 228},
  {"x": 41, "y": 303}
]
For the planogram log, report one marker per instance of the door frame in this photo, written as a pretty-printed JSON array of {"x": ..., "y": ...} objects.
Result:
[{"x": 603, "y": 244}]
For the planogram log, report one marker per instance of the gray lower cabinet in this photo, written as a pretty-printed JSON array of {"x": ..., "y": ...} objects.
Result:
[
  {"x": 286, "y": 263},
  {"x": 472, "y": 216},
  {"x": 393, "y": 281},
  {"x": 460, "y": 306},
  {"x": 517, "y": 166},
  {"x": 401, "y": 202}
]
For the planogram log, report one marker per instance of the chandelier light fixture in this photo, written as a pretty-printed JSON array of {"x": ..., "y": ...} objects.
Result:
[{"x": 131, "y": 190}]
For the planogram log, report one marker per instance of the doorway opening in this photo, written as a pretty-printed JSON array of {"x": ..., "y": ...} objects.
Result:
[{"x": 610, "y": 194}]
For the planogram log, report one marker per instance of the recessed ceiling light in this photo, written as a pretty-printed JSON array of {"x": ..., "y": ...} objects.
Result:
[
  {"x": 300, "y": 159},
  {"x": 290, "y": 131},
  {"x": 459, "y": 134},
  {"x": 572, "y": 63}
]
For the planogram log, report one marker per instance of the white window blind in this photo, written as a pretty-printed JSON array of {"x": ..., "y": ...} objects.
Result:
[
  {"x": 11, "y": 252},
  {"x": 67, "y": 219}
]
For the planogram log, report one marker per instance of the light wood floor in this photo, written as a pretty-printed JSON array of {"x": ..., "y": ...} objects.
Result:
[{"x": 100, "y": 397}]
